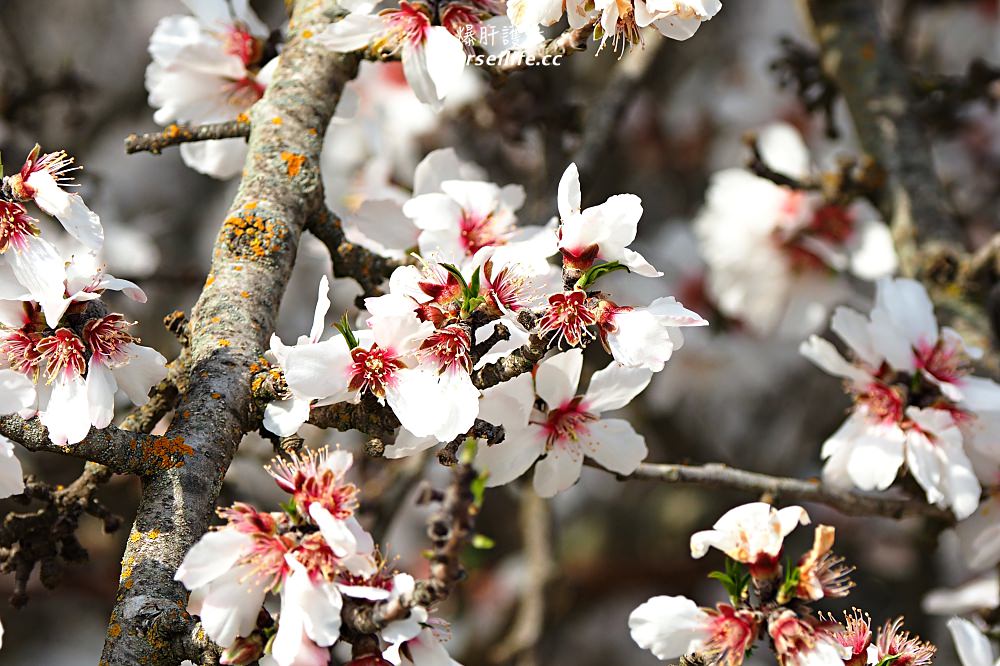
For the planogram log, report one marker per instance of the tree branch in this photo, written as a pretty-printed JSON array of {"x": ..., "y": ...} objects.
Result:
[
  {"x": 715, "y": 475},
  {"x": 230, "y": 325},
  {"x": 350, "y": 260},
  {"x": 878, "y": 90},
  {"x": 173, "y": 135}
]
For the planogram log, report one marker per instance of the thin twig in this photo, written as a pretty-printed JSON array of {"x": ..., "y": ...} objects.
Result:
[
  {"x": 173, "y": 135},
  {"x": 714, "y": 475}
]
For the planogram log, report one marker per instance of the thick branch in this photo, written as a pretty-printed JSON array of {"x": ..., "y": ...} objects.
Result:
[
  {"x": 847, "y": 502},
  {"x": 174, "y": 135},
  {"x": 230, "y": 325},
  {"x": 350, "y": 260},
  {"x": 120, "y": 451},
  {"x": 518, "y": 362},
  {"x": 879, "y": 94}
]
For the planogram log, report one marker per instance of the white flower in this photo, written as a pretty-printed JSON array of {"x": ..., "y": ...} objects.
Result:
[
  {"x": 568, "y": 429},
  {"x": 422, "y": 648},
  {"x": 915, "y": 401},
  {"x": 206, "y": 69},
  {"x": 974, "y": 648},
  {"x": 226, "y": 591},
  {"x": 671, "y": 627},
  {"x": 979, "y": 593},
  {"x": 527, "y": 15},
  {"x": 622, "y": 21},
  {"x": 979, "y": 536},
  {"x": 44, "y": 179},
  {"x": 645, "y": 337},
  {"x": 600, "y": 232},
  {"x": 800, "y": 643},
  {"x": 775, "y": 254},
  {"x": 387, "y": 365},
  {"x": 17, "y": 391},
  {"x": 433, "y": 58},
  {"x": 752, "y": 534}
]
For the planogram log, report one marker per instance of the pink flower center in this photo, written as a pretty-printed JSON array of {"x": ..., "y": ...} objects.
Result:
[
  {"x": 317, "y": 557},
  {"x": 309, "y": 480},
  {"x": 567, "y": 423},
  {"x": 244, "y": 92},
  {"x": 63, "y": 354},
  {"x": 830, "y": 224},
  {"x": 16, "y": 226},
  {"x": 449, "y": 348},
  {"x": 568, "y": 317},
  {"x": 240, "y": 43},
  {"x": 477, "y": 232},
  {"x": 21, "y": 351},
  {"x": 945, "y": 361},
  {"x": 373, "y": 370},
  {"x": 885, "y": 404},
  {"x": 508, "y": 288},
  {"x": 108, "y": 339},
  {"x": 732, "y": 632},
  {"x": 409, "y": 24}
]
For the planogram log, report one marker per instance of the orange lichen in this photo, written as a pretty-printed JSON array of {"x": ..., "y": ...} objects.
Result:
[
  {"x": 209, "y": 280},
  {"x": 293, "y": 162},
  {"x": 307, "y": 34},
  {"x": 224, "y": 343},
  {"x": 252, "y": 236},
  {"x": 172, "y": 131},
  {"x": 215, "y": 320},
  {"x": 114, "y": 630},
  {"x": 216, "y": 396},
  {"x": 245, "y": 294},
  {"x": 276, "y": 120},
  {"x": 163, "y": 453},
  {"x": 243, "y": 118},
  {"x": 186, "y": 414},
  {"x": 250, "y": 206},
  {"x": 312, "y": 131}
]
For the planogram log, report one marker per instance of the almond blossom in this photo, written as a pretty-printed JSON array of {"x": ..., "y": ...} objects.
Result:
[
  {"x": 567, "y": 428},
  {"x": 36, "y": 269},
  {"x": 400, "y": 361},
  {"x": 433, "y": 58},
  {"x": 11, "y": 476},
  {"x": 207, "y": 68},
  {"x": 915, "y": 401},
  {"x": 527, "y": 15},
  {"x": 600, "y": 232},
  {"x": 83, "y": 365},
  {"x": 672, "y": 627},
  {"x": 231, "y": 569},
  {"x": 776, "y": 255},
  {"x": 645, "y": 337},
  {"x": 801, "y": 643},
  {"x": 752, "y": 534},
  {"x": 45, "y": 179},
  {"x": 622, "y": 21}
]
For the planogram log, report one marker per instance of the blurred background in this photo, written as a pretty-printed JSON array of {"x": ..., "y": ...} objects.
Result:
[{"x": 564, "y": 575}]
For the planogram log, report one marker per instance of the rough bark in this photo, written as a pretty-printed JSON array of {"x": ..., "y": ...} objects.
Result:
[{"x": 230, "y": 325}]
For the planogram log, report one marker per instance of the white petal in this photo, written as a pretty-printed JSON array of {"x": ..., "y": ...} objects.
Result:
[
  {"x": 973, "y": 647},
  {"x": 614, "y": 387},
  {"x": 557, "y": 377},
  {"x": 101, "y": 389},
  {"x": 43, "y": 273},
  {"x": 67, "y": 414},
  {"x": 215, "y": 553},
  {"x": 230, "y": 605},
  {"x": 825, "y": 355},
  {"x": 351, "y": 33},
  {"x": 876, "y": 457},
  {"x": 445, "y": 58},
  {"x": 444, "y": 406},
  {"x": 669, "y": 627},
  {"x": 319, "y": 603},
  {"x": 908, "y": 306},
  {"x": 318, "y": 370},
  {"x": 508, "y": 403},
  {"x": 873, "y": 253},
  {"x": 853, "y": 329},
  {"x": 17, "y": 392},
  {"x": 557, "y": 471},
  {"x": 218, "y": 158},
  {"x": 616, "y": 445},
  {"x": 285, "y": 417},
  {"x": 569, "y": 192},
  {"x": 512, "y": 457},
  {"x": 81, "y": 223},
  {"x": 146, "y": 367},
  {"x": 408, "y": 444}
]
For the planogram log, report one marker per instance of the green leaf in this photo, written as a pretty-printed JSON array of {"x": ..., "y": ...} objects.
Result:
[
  {"x": 482, "y": 542},
  {"x": 888, "y": 659},
  {"x": 474, "y": 284},
  {"x": 458, "y": 275},
  {"x": 344, "y": 326},
  {"x": 595, "y": 272}
]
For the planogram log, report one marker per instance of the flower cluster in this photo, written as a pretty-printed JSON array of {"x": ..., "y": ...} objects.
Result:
[
  {"x": 477, "y": 271},
  {"x": 915, "y": 401},
  {"x": 777, "y": 256},
  {"x": 621, "y": 21},
  {"x": 770, "y": 600},
  {"x": 62, "y": 355},
  {"x": 209, "y": 68},
  {"x": 312, "y": 554}
]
